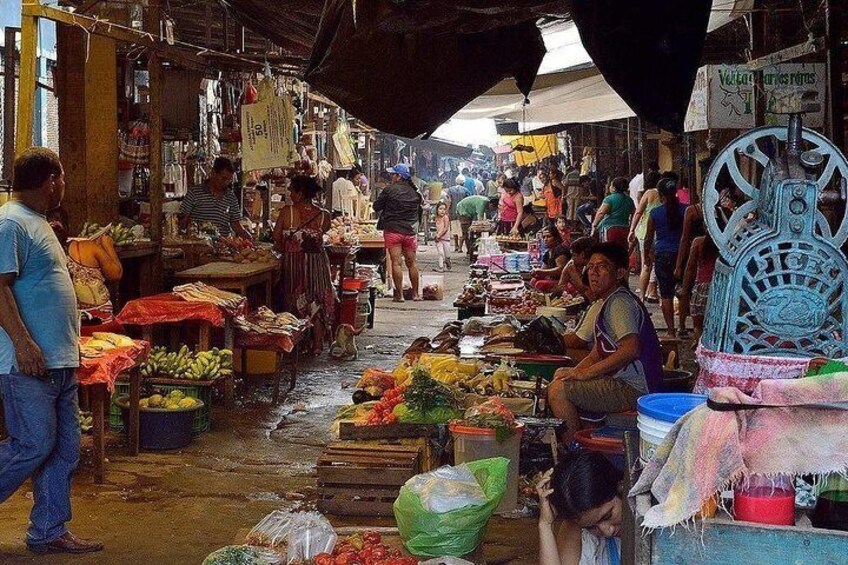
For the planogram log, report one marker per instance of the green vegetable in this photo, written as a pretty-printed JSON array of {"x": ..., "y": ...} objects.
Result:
[
  {"x": 402, "y": 412},
  {"x": 426, "y": 393}
]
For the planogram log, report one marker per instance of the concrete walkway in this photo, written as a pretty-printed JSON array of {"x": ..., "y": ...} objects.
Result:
[{"x": 176, "y": 507}]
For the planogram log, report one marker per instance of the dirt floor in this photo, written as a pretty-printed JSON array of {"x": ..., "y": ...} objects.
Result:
[{"x": 177, "y": 507}]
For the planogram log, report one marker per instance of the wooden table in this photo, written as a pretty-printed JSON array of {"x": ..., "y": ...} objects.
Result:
[{"x": 238, "y": 277}]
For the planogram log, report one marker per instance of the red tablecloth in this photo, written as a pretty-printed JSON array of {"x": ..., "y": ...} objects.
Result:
[
  {"x": 168, "y": 308},
  {"x": 106, "y": 368}
]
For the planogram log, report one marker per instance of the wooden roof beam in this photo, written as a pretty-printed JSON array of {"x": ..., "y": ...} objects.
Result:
[{"x": 118, "y": 33}]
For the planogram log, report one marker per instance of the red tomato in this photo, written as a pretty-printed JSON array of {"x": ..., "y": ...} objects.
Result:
[
  {"x": 347, "y": 558},
  {"x": 323, "y": 559}
]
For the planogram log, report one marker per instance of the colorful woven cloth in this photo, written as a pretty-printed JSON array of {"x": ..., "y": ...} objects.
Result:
[
  {"x": 708, "y": 451},
  {"x": 744, "y": 372}
]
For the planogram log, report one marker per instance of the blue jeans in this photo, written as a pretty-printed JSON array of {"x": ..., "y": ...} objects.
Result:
[
  {"x": 43, "y": 443},
  {"x": 585, "y": 213}
]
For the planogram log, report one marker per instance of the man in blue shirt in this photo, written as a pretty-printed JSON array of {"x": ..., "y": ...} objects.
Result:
[
  {"x": 470, "y": 186},
  {"x": 39, "y": 351}
]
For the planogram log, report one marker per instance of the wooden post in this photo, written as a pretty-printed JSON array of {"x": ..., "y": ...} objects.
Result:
[
  {"x": 26, "y": 88},
  {"x": 88, "y": 117},
  {"x": 157, "y": 195},
  {"x": 9, "y": 63}
]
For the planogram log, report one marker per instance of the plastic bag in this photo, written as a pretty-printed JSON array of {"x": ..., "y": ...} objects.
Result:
[
  {"x": 302, "y": 535},
  {"x": 448, "y": 488},
  {"x": 455, "y": 533},
  {"x": 542, "y": 335},
  {"x": 241, "y": 555},
  {"x": 446, "y": 561}
]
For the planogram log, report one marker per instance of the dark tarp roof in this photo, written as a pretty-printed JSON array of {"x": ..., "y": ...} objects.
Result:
[
  {"x": 409, "y": 65},
  {"x": 648, "y": 52},
  {"x": 406, "y": 68}
]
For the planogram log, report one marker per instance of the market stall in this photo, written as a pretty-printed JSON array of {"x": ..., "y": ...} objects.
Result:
[{"x": 205, "y": 306}]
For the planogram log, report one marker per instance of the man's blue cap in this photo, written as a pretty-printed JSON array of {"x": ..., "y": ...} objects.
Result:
[{"x": 401, "y": 169}]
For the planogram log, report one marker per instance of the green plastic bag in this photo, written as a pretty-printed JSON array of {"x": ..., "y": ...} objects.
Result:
[{"x": 455, "y": 533}]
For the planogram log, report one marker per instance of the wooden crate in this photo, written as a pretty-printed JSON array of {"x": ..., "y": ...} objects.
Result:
[{"x": 364, "y": 480}]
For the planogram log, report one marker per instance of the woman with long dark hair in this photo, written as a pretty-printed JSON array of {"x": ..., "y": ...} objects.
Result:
[
  {"x": 581, "y": 507},
  {"x": 662, "y": 238},
  {"x": 305, "y": 275}
]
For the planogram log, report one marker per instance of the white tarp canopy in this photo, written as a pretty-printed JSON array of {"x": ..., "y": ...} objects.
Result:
[{"x": 578, "y": 95}]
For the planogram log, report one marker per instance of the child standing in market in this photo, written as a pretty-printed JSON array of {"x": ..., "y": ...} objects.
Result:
[
  {"x": 443, "y": 237},
  {"x": 696, "y": 280}
]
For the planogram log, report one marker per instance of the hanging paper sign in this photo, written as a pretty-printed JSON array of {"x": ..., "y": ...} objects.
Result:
[
  {"x": 267, "y": 130},
  {"x": 345, "y": 154}
]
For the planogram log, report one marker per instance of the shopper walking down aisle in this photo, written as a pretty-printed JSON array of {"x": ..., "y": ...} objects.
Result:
[
  {"x": 443, "y": 236},
  {"x": 696, "y": 282},
  {"x": 456, "y": 194},
  {"x": 511, "y": 209},
  {"x": 612, "y": 219},
  {"x": 305, "y": 282},
  {"x": 399, "y": 206},
  {"x": 665, "y": 229},
  {"x": 638, "y": 228},
  {"x": 39, "y": 351}
]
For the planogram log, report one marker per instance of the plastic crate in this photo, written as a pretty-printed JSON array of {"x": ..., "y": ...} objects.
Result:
[{"x": 202, "y": 418}]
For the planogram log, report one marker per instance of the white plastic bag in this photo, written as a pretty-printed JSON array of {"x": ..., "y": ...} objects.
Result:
[
  {"x": 446, "y": 561},
  {"x": 298, "y": 535},
  {"x": 448, "y": 488}
]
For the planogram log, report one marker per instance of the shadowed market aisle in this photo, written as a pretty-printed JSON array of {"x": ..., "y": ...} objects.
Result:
[{"x": 177, "y": 507}]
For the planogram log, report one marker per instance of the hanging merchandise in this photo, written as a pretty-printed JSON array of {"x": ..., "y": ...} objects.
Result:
[
  {"x": 345, "y": 154},
  {"x": 589, "y": 163},
  {"x": 134, "y": 145},
  {"x": 267, "y": 130}
]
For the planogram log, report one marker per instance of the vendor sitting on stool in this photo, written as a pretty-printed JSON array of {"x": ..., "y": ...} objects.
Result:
[
  {"x": 554, "y": 261},
  {"x": 625, "y": 362}
]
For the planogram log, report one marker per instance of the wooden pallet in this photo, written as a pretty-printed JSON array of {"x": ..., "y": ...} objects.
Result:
[{"x": 364, "y": 480}]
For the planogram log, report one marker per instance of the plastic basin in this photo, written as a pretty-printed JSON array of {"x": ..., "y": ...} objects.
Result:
[
  {"x": 657, "y": 415},
  {"x": 161, "y": 429}
]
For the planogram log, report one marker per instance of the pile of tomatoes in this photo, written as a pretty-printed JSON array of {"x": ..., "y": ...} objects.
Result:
[
  {"x": 363, "y": 549},
  {"x": 382, "y": 411}
]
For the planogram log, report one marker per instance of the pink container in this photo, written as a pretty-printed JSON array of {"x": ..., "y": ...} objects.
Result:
[
  {"x": 765, "y": 500},
  {"x": 498, "y": 261}
]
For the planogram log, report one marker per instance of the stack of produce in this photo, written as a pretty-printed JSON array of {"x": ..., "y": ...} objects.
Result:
[
  {"x": 423, "y": 401},
  {"x": 473, "y": 294},
  {"x": 373, "y": 384},
  {"x": 492, "y": 414},
  {"x": 367, "y": 548},
  {"x": 266, "y": 322},
  {"x": 202, "y": 292},
  {"x": 240, "y": 250},
  {"x": 185, "y": 364},
  {"x": 174, "y": 400},
  {"x": 522, "y": 303},
  {"x": 341, "y": 234},
  {"x": 101, "y": 342}
]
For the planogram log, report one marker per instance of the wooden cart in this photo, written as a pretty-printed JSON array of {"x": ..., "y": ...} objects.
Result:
[{"x": 721, "y": 540}]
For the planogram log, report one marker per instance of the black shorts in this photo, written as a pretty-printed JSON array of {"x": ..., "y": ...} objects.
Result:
[{"x": 664, "y": 264}]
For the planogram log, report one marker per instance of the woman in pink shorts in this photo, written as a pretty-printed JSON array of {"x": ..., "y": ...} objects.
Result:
[{"x": 399, "y": 206}]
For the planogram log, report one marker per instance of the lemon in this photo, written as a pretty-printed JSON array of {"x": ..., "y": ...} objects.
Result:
[{"x": 187, "y": 403}]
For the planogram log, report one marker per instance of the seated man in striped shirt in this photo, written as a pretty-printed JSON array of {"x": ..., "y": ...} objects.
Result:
[{"x": 214, "y": 201}]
